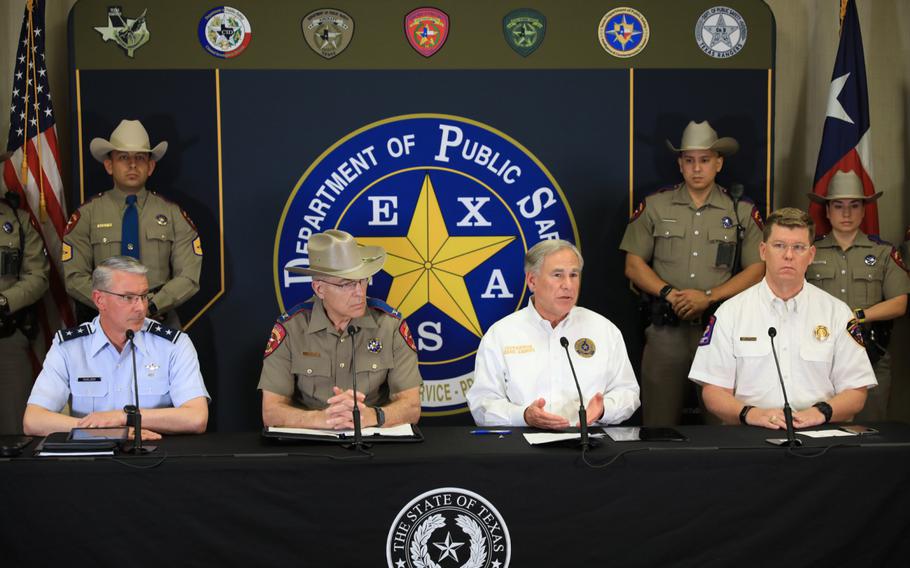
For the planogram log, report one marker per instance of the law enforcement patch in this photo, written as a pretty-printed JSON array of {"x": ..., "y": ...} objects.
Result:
[
  {"x": 7, "y": 227},
  {"x": 128, "y": 33},
  {"x": 821, "y": 333},
  {"x": 709, "y": 331},
  {"x": 449, "y": 526},
  {"x": 720, "y": 32},
  {"x": 756, "y": 216},
  {"x": 726, "y": 222},
  {"x": 638, "y": 210},
  {"x": 855, "y": 329},
  {"x": 328, "y": 32},
  {"x": 161, "y": 220},
  {"x": 585, "y": 347},
  {"x": 898, "y": 260},
  {"x": 427, "y": 29},
  {"x": 66, "y": 251},
  {"x": 623, "y": 32},
  {"x": 524, "y": 30},
  {"x": 197, "y": 246},
  {"x": 405, "y": 332},
  {"x": 73, "y": 221},
  {"x": 275, "y": 338},
  {"x": 374, "y": 345},
  {"x": 456, "y": 204},
  {"x": 225, "y": 32}
]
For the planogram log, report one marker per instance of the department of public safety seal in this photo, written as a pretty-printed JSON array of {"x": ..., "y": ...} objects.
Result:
[
  {"x": 456, "y": 204},
  {"x": 447, "y": 527},
  {"x": 720, "y": 32},
  {"x": 328, "y": 32},
  {"x": 225, "y": 32},
  {"x": 623, "y": 32}
]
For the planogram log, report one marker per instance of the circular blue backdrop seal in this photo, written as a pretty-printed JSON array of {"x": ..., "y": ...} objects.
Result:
[{"x": 456, "y": 204}]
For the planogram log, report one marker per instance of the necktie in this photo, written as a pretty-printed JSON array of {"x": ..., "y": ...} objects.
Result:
[{"x": 129, "y": 238}]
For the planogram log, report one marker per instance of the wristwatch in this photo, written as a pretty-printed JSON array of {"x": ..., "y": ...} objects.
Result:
[
  {"x": 380, "y": 416},
  {"x": 664, "y": 291},
  {"x": 825, "y": 409},
  {"x": 743, "y": 413},
  {"x": 860, "y": 315},
  {"x": 4, "y": 305}
]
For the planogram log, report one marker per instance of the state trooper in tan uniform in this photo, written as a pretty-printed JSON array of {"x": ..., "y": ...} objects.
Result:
[
  {"x": 168, "y": 242},
  {"x": 866, "y": 273},
  {"x": 23, "y": 280},
  {"x": 306, "y": 378},
  {"x": 683, "y": 245}
]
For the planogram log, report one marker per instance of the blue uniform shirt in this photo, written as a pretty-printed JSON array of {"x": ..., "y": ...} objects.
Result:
[{"x": 83, "y": 363}]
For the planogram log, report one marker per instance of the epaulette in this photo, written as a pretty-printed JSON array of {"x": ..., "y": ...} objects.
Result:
[
  {"x": 186, "y": 217},
  {"x": 163, "y": 331},
  {"x": 378, "y": 304},
  {"x": 81, "y": 330},
  {"x": 302, "y": 306},
  {"x": 880, "y": 241},
  {"x": 819, "y": 237},
  {"x": 641, "y": 204}
]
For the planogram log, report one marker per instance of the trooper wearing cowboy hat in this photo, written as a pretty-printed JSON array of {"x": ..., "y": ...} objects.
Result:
[
  {"x": 865, "y": 272},
  {"x": 130, "y": 220},
  {"x": 681, "y": 247},
  {"x": 306, "y": 376}
]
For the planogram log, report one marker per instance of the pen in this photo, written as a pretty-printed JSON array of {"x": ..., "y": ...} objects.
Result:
[{"x": 493, "y": 432}]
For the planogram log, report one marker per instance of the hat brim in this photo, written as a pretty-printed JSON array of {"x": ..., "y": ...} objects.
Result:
[
  {"x": 824, "y": 199},
  {"x": 725, "y": 146},
  {"x": 373, "y": 260},
  {"x": 100, "y": 148}
]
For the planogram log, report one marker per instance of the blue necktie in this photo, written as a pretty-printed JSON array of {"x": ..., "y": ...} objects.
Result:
[{"x": 129, "y": 238}]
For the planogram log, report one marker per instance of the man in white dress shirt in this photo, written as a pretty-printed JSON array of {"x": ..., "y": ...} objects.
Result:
[
  {"x": 819, "y": 343},
  {"x": 522, "y": 375}
]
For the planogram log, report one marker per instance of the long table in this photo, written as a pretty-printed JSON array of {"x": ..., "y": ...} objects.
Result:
[{"x": 724, "y": 498}]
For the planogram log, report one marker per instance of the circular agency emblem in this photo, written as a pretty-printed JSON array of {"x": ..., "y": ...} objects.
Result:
[
  {"x": 623, "y": 32},
  {"x": 721, "y": 32},
  {"x": 225, "y": 32},
  {"x": 456, "y": 204},
  {"x": 328, "y": 32},
  {"x": 449, "y": 523}
]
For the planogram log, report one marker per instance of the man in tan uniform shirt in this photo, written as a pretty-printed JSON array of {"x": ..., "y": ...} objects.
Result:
[
  {"x": 169, "y": 244},
  {"x": 23, "y": 280},
  {"x": 681, "y": 247},
  {"x": 306, "y": 378},
  {"x": 866, "y": 273}
]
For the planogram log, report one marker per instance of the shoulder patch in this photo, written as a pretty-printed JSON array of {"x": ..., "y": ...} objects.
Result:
[
  {"x": 296, "y": 309},
  {"x": 638, "y": 210},
  {"x": 163, "y": 331},
  {"x": 756, "y": 216},
  {"x": 73, "y": 221},
  {"x": 898, "y": 259},
  {"x": 275, "y": 339},
  {"x": 377, "y": 304},
  {"x": 856, "y": 332},
  {"x": 709, "y": 331},
  {"x": 81, "y": 330},
  {"x": 406, "y": 334}
]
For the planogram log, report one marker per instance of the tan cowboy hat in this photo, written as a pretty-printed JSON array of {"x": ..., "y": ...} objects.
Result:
[
  {"x": 336, "y": 253},
  {"x": 844, "y": 185},
  {"x": 700, "y": 136},
  {"x": 129, "y": 136}
]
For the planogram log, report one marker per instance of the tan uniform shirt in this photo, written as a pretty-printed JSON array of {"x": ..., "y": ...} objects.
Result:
[
  {"x": 169, "y": 246},
  {"x": 306, "y": 356},
  {"x": 686, "y": 245},
  {"x": 863, "y": 275},
  {"x": 25, "y": 288}
]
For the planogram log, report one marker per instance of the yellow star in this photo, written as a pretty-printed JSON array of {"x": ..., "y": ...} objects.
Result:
[
  {"x": 623, "y": 32},
  {"x": 428, "y": 266}
]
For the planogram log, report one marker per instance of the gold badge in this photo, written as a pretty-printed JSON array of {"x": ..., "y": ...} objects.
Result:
[
  {"x": 585, "y": 347},
  {"x": 161, "y": 220},
  {"x": 821, "y": 333}
]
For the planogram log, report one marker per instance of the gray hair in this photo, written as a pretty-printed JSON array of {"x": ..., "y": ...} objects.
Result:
[
  {"x": 535, "y": 256},
  {"x": 104, "y": 272}
]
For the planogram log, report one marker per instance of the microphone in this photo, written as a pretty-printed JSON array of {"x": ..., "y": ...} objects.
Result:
[
  {"x": 788, "y": 414},
  {"x": 358, "y": 433},
  {"x": 133, "y": 416},
  {"x": 582, "y": 413},
  {"x": 736, "y": 191}
]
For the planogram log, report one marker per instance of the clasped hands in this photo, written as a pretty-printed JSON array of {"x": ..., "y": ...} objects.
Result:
[{"x": 537, "y": 417}]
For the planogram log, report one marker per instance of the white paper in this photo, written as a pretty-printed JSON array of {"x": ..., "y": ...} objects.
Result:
[
  {"x": 56, "y": 454},
  {"x": 393, "y": 431},
  {"x": 824, "y": 433},
  {"x": 538, "y": 438}
]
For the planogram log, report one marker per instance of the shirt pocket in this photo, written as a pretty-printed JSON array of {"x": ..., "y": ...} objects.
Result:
[
  {"x": 314, "y": 380},
  {"x": 751, "y": 357},
  {"x": 372, "y": 376},
  {"x": 819, "y": 359},
  {"x": 88, "y": 395},
  {"x": 867, "y": 285},
  {"x": 159, "y": 242},
  {"x": 154, "y": 392},
  {"x": 669, "y": 241},
  {"x": 105, "y": 242},
  {"x": 823, "y": 274}
]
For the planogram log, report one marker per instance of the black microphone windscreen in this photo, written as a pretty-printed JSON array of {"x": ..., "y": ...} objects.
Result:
[
  {"x": 352, "y": 329},
  {"x": 737, "y": 190},
  {"x": 563, "y": 341},
  {"x": 772, "y": 332},
  {"x": 129, "y": 334}
]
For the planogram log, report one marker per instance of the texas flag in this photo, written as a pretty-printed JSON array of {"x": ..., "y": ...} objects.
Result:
[{"x": 846, "y": 139}]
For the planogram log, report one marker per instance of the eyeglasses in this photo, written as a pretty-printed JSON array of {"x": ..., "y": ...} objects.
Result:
[
  {"x": 798, "y": 249},
  {"x": 350, "y": 285},
  {"x": 130, "y": 298}
]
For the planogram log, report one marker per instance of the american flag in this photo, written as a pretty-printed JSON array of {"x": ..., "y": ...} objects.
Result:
[
  {"x": 33, "y": 170},
  {"x": 846, "y": 138}
]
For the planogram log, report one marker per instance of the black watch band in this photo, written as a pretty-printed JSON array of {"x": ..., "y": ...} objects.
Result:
[
  {"x": 825, "y": 409},
  {"x": 743, "y": 413},
  {"x": 380, "y": 416},
  {"x": 664, "y": 291}
]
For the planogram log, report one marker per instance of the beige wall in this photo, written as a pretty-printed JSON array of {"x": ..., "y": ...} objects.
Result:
[{"x": 806, "y": 45}]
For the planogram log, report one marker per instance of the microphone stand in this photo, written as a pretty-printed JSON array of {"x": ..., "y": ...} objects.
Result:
[
  {"x": 586, "y": 443},
  {"x": 791, "y": 440},
  {"x": 133, "y": 415},
  {"x": 358, "y": 443}
]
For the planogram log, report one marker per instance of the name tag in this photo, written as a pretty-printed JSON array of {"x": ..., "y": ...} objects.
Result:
[
  {"x": 104, "y": 225},
  {"x": 311, "y": 354},
  {"x": 748, "y": 339},
  {"x": 517, "y": 349},
  {"x": 89, "y": 380}
]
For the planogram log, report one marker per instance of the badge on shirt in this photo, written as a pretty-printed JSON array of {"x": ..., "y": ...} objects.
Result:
[
  {"x": 709, "y": 331},
  {"x": 7, "y": 227},
  {"x": 870, "y": 260},
  {"x": 585, "y": 347},
  {"x": 726, "y": 222},
  {"x": 821, "y": 333},
  {"x": 374, "y": 345},
  {"x": 152, "y": 368},
  {"x": 856, "y": 332},
  {"x": 161, "y": 220}
]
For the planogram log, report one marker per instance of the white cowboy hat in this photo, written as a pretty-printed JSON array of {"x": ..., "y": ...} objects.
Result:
[
  {"x": 700, "y": 136},
  {"x": 336, "y": 253},
  {"x": 844, "y": 185},
  {"x": 129, "y": 136}
]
